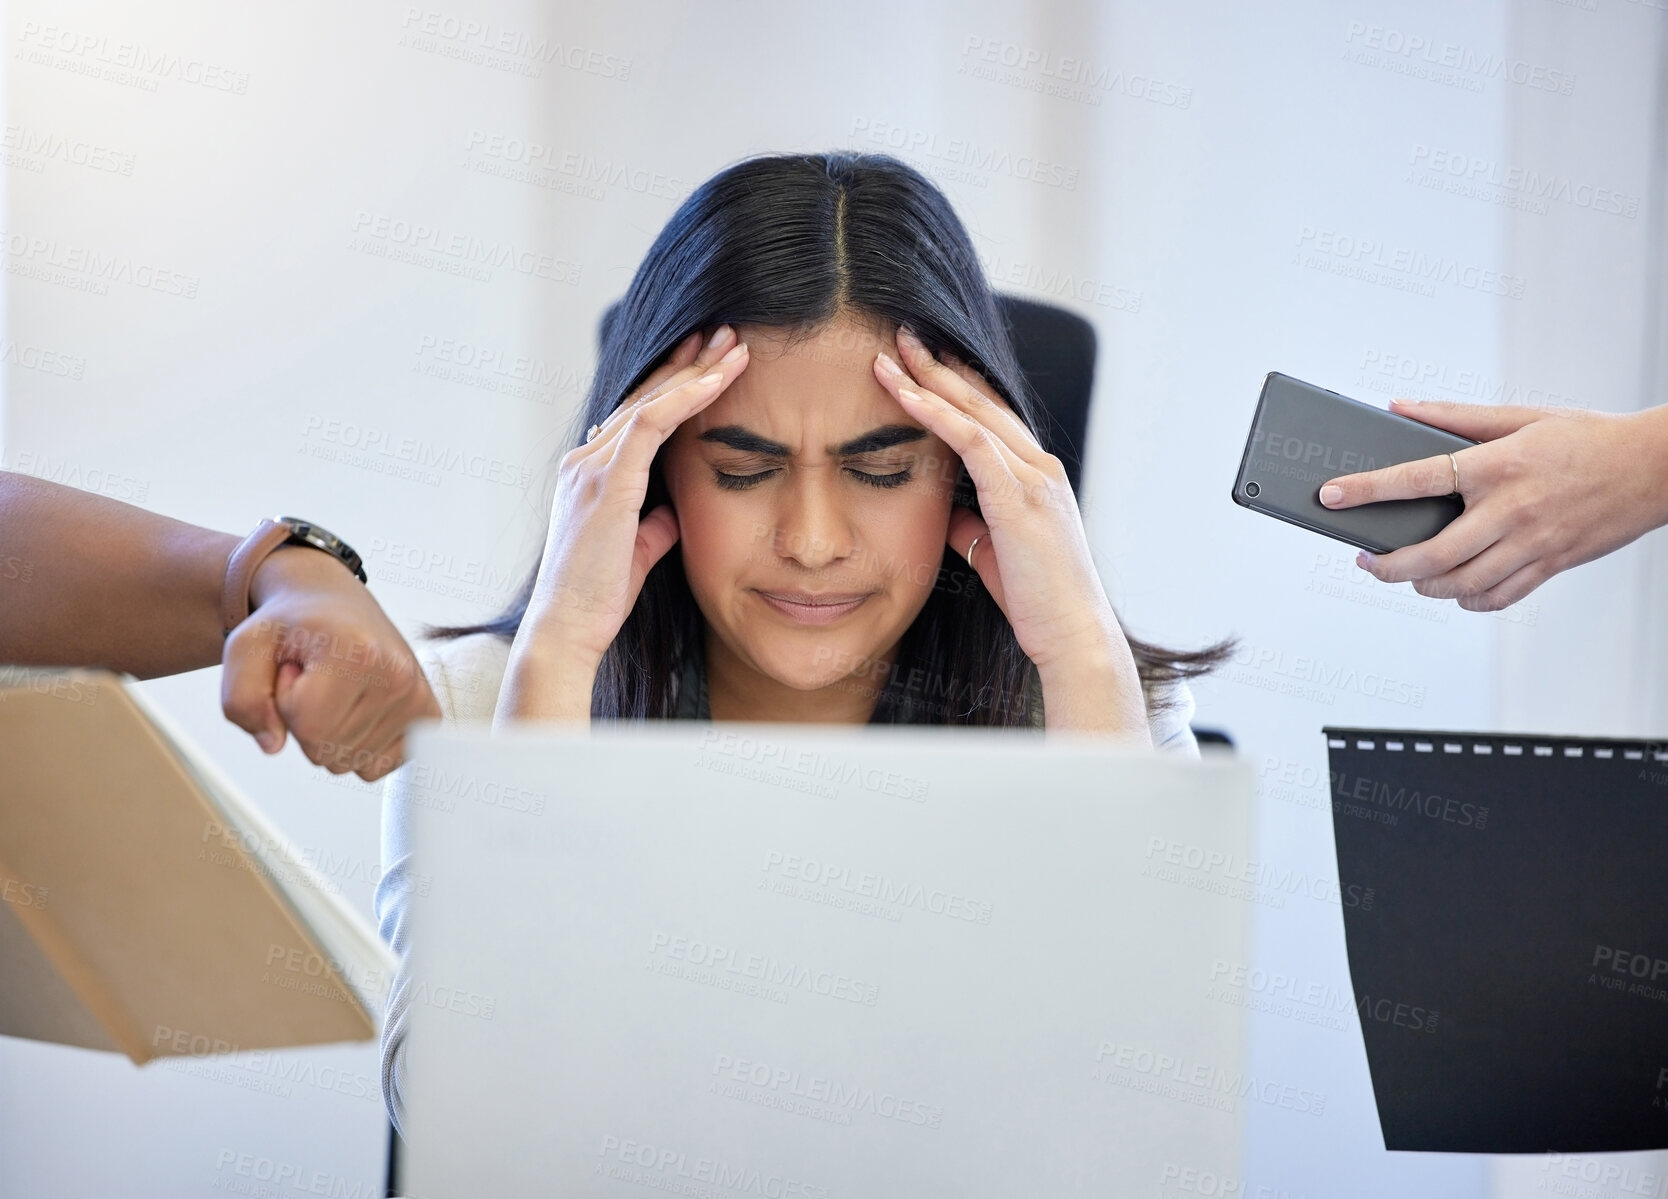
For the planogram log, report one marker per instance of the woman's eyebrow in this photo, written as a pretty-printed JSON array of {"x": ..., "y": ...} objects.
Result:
[{"x": 739, "y": 438}]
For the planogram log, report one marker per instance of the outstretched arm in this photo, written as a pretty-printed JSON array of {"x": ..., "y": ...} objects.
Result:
[{"x": 90, "y": 581}]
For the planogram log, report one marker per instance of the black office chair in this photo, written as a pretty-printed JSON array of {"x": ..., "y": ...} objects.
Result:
[{"x": 1056, "y": 352}]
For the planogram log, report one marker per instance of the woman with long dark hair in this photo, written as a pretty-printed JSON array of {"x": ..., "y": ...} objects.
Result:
[{"x": 810, "y": 488}]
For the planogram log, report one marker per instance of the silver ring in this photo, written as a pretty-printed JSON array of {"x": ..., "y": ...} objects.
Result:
[
  {"x": 591, "y": 433},
  {"x": 1454, "y": 462},
  {"x": 970, "y": 546}
]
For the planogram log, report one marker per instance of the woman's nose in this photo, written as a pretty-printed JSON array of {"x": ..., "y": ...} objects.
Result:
[{"x": 811, "y": 523}]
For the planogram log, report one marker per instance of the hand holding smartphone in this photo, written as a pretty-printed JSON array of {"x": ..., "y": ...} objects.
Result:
[{"x": 1303, "y": 435}]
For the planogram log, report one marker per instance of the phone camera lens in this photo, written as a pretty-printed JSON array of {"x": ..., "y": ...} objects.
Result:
[{"x": 1252, "y": 490}]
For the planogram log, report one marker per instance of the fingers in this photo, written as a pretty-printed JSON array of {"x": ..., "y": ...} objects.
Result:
[
  {"x": 966, "y": 527},
  {"x": 288, "y": 673},
  {"x": 370, "y": 757},
  {"x": 656, "y": 534},
  {"x": 723, "y": 340},
  {"x": 267, "y": 697},
  {"x": 383, "y": 748},
  {"x": 1513, "y": 588},
  {"x": 964, "y": 387},
  {"x": 996, "y": 470},
  {"x": 1479, "y": 422},
  {"x": 639, "y": 437},
  {"x": 1001, "y": 453},
  {"x": 248, "y": 682},
  {"x": 1404, "y": 481},
  {"x": 1459, "y": 542},
  {"x": 689, "y": 361},
  {"x": 994, "y": 465},
  {"x": 387, "y": 741},
  {"x": 328, "y": 718},
  {"x": 685, "y": 352},
  {"x": 363, "y": 738},
  {"x": 683, "y": 355},
  {"x": 1477, "y": 575}
]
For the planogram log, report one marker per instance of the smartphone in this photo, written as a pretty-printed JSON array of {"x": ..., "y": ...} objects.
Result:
[{"x": 1303, "y": 435}]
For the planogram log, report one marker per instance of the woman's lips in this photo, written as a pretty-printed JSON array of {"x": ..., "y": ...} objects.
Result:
[{"x": 803, "y": 611}]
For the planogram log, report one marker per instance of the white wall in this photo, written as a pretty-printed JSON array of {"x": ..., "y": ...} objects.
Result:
[
  {"x": 1206, "y": 183},
  {"x": 1241, "y": 221},
  {"x": 1594, "y": 661},
  {"x": 1653, "y": 374}
]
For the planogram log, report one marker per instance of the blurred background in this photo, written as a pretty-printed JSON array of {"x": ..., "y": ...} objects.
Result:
[{"x": 346, "y": 261}]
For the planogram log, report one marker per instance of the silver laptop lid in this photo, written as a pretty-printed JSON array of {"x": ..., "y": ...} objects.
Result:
[{"x": 755, "y": 960}]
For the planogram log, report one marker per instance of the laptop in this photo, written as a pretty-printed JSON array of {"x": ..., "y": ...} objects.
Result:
[{"x": 771, "y": 960}]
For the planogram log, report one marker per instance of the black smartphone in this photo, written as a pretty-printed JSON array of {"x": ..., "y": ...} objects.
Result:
[{"x": 1303, "y": 435}]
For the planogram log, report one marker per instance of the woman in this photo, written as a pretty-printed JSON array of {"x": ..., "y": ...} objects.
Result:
[{"x": 809, "y": 490}]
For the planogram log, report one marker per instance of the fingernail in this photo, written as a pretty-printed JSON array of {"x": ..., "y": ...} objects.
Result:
[
  {"x": 718, "y": 336},
  {"x": 1365, "y": 560},
  {"x": 887, "y": 365},
  {"x": 267, "y": 740},
  {"x": 736, "y": 351},
  {"x": 710, "y": 377},
  {"x": 1331, "y": 494},
  {"x": 905, "y": 334}
]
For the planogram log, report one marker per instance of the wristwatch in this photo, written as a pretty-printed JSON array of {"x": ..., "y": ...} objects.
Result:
[{"x": 253, "y": 549}]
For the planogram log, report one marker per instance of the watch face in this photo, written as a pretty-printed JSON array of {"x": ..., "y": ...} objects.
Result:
[{"x": 305, "y": 532}]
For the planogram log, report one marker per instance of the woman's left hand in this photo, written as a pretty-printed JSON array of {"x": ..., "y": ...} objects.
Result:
[{"x": 1033, "y": 553}]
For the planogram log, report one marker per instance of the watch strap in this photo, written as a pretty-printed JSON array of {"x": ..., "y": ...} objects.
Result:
[{"x": 240, "y": 571}]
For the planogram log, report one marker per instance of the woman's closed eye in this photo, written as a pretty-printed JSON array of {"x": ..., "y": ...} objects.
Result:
[{"x": 876, "y": 478}]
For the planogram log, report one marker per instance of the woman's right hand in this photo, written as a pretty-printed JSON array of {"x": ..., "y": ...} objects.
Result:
[
  {"x": 601, "y": 547},
  {"x": 1545, "y": 489}
]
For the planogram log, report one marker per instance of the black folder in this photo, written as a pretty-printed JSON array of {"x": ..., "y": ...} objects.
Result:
[{"x": 1511, "y": 975}]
